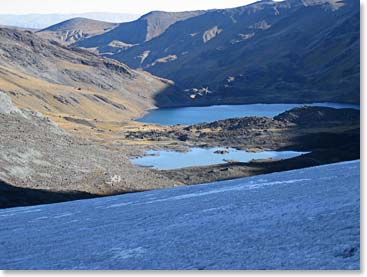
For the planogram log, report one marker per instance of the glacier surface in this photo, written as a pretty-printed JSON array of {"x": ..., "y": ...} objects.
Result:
[{"x": 301, "y": 219}]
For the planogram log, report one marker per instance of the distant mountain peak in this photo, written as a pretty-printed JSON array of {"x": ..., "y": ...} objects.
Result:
[
  {"x": 42, "y": 21},
  {"x": 75, "y": 29},
  {"x": 79, "y": 23}
]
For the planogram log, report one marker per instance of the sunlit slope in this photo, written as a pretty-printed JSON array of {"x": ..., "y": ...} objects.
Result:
[{"x": 61, "y": 81}]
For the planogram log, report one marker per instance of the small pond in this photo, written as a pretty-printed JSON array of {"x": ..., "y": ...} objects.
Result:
[{"x": 167, "y": 160}]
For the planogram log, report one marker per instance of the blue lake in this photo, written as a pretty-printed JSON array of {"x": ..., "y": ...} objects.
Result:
[
  {"x": 193, "y": 115},
  {"x": 167, "y": 160}
]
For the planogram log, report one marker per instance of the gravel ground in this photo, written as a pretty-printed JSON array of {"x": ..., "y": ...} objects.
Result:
[{"x": 35, "y": 153}]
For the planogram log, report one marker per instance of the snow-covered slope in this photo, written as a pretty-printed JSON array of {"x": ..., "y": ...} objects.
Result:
[{"x": 303, "y": 219}]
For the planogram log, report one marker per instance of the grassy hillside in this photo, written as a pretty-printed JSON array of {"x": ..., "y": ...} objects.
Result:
[{"x": 59, "y": 81}]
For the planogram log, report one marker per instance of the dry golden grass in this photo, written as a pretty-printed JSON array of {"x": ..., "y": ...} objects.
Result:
[
  {"x": 72, "y": 66},
  {"x": 102, "y": 94},
  {"x": 28, "y": 92}
]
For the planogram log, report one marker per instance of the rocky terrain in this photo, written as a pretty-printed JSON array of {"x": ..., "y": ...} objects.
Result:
[
  {"x": 76, "y": 29},
  {"x": 47, "y": 91},
  {"x": 288, "y": 51},
  {"x": 284, "y": 131},
  {"x": 41, "y": 163}
]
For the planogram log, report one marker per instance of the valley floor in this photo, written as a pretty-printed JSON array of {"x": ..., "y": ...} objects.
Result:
[{"x": 302, "y": 219}]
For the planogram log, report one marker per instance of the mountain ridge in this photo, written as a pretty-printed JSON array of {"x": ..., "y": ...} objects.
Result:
[
  {"x": 41, "y": 21},
  {"x": 132, "y": 33},
  {"x": 75, "y": 29}
]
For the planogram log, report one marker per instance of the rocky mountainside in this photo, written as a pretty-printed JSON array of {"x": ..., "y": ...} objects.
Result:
[
  {"x": 47, "y": 92},
  {"x": 60, "y": 81},
  {"x": 41, "y": 163},
  {"x": 289, "y": 51},
  {"x": 76, "y": 29},
  {"x": 133, "y": 33}
]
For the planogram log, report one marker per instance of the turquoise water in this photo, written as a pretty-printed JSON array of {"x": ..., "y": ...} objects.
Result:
[
  {"x": 167, "y": 160},
  {"x": 193, "y": 115}
]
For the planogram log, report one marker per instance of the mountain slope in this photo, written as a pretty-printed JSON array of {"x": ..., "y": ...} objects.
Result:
[
  {"x": 290, "y": 51},
  {"x": 41, "y": 163},
  {"x": 76, "y": 29},
  {"x": 59, "y": 81},
  {"x": 302, "y": 219},
  {"x": 132, "y": 33}
]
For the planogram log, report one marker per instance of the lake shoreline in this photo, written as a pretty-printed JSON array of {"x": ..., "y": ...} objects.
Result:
[
  {"x": 330, "y": 138},
  {"x": 188, "y": 115},
  {"x": 331, "y": 135}
]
